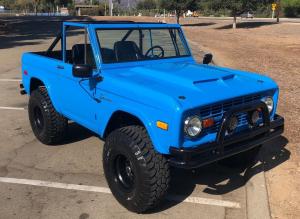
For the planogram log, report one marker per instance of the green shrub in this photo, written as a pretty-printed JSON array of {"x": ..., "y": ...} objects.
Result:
[
  {"x": 291, "y": 8},
  {"x": 99, "y": 11}
]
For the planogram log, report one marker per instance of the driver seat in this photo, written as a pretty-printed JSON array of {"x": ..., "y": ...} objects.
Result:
[{"x": 127, "y": 51}]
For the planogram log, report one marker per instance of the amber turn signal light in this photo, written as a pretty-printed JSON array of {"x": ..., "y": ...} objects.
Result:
[
  {"x": 208, "y": 122},
  {"x": 162, "y": 125}
]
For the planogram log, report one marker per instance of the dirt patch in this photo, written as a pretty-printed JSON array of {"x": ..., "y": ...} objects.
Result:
[{"x": 272, "y": 50}]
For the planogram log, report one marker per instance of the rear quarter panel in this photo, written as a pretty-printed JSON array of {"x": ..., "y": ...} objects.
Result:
[{"x": 42, "y": 68}]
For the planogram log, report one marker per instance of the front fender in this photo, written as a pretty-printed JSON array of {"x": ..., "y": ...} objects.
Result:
[{"x": 161, "y": 139}]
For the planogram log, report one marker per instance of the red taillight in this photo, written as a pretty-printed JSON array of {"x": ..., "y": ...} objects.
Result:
[{"x": 25, "y": 72}]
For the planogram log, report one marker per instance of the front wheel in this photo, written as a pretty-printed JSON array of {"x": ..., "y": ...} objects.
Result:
[
  {"x": 47, "y": 124},
  {"x": 137, "y": 175}
]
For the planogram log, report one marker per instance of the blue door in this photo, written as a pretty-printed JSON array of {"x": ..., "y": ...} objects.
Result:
[{"x": 77, "y": 94}]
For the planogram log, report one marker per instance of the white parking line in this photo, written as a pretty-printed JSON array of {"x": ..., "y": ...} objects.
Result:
[
  {"x": 10, "y": 80},
  {"x": 204, "y": 201},
  {"x": 177, "y": 198},
  {"x": 11, "y": 108},
  {"x": 55, "y": 185}
]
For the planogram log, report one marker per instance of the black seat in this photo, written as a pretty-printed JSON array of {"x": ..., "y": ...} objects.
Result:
[
  {"x": 127, "y": 51},
  {"x": 108, "y": 55},
  {"x": 78, "y": 53}
]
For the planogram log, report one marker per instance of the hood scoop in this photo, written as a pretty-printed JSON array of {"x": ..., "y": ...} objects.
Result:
[{"x": 227, "y": 77}]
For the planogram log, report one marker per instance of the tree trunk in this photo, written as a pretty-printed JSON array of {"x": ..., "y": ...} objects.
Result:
[
  {"x": 278, "y": 10},
  {"x": 35, "y": 10},
  {"x": 177, "y": 16},
  {"x": 234, "y": 22}
]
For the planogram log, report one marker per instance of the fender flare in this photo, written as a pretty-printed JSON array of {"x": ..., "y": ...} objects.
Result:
[{"x": 145, "y": 121}]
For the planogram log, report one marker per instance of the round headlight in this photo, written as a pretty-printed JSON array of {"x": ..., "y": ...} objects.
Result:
[
  {"x": 269, "y": 102},
  {"x": 192, "y": 126}
]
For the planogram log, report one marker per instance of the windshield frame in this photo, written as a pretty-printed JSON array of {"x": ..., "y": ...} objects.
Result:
[{"x": 147, "y": 27}]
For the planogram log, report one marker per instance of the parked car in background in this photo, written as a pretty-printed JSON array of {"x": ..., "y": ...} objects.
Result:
[
  {"x": 247, "y": 14},
  {"x": 190, "y": 13}
]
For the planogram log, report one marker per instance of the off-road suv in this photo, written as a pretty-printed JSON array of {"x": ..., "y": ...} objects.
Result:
[{"x": 139, "y": 88}]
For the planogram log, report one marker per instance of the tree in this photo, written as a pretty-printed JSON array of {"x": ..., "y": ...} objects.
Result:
[
  {"x": 25, "y": 5},
  {"x": 278, "y": 8},
  {"x": 146, "y": 5},
  {"x": 239, "y": 6},
  {"x": 180, "y": 6},
  {"x": 35, "y": 5},
  {"x": 291, "y": 8}
]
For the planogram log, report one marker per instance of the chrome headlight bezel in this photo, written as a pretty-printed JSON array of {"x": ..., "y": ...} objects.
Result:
[
  {"x": 192, "y": 126},
  {"x": 269, "y": 102}
]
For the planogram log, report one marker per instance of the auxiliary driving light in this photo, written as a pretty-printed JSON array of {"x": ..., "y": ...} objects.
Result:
[
  {"x": 233, "y": 123},
  {"x": 254, "y": 117}
]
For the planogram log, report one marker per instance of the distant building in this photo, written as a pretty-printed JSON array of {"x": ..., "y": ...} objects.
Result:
[
  {"x": 64, "y": 11},
  {"x": 79, "y": 7}
]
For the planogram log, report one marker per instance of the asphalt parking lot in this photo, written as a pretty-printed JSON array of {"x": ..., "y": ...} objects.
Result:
[{"x": 67, "y": 181}]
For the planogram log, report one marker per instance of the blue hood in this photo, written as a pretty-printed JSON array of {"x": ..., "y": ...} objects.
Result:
[{"x": 199, "y": 84}]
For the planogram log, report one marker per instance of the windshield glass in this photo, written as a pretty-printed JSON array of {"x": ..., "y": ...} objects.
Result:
[{"x": 125, "y": 45}]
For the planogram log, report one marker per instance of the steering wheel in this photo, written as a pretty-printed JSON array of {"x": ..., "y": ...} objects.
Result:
[{"x": 152, "y": 49}]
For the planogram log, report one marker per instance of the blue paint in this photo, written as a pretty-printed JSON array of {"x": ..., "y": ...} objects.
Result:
[{"x": 149, "y": 90}]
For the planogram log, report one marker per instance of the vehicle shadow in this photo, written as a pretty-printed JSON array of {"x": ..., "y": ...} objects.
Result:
[
  {"x": 247, "y": 25},
  {"x": 76, "y": 133},
  {"x": 213, "y": 179},
  {"x": 216, "y": 179},
  {"x": 198, "y": 24}
]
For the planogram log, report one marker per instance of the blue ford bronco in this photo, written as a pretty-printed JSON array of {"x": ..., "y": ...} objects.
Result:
[{"x": 138, "y": 87}]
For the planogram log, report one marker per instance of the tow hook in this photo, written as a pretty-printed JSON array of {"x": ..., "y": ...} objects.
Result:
[{"x": 22, "y": 91}]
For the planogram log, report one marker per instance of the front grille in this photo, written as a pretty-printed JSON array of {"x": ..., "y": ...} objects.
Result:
[{"x": 217, "y": 111}]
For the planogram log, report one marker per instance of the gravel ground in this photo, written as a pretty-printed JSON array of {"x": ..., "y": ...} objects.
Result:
[{"x": 274, "y": 50}]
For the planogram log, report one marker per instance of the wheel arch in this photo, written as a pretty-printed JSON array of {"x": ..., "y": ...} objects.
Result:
[
  {"x": 35, "y": 82},
  {"x": 121, "y": 118}
]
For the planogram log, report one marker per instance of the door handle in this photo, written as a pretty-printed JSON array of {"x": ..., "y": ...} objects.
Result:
[{"x": 60, "y": 67}]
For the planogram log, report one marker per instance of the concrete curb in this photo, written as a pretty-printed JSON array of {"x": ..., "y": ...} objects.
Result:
[
  {"x": 256, "y": 194},
  {"x": 257, "y": 200}
]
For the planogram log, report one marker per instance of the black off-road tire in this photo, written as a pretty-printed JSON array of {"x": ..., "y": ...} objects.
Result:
[
  {"x": 242, "y": 160},
  {"x": 48, "y": 126},
  {"x": 149, "y": 172}
]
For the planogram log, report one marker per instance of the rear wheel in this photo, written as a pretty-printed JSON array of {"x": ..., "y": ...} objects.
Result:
[
  {"x": 47, "y": 125},
  {"x": 243, "y": 159},
  {"x": 137, "y": 175}
]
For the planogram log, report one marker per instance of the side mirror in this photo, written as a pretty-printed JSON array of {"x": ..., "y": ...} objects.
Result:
[
  {"x": 207, "y": 58},
  {"x": 82, "y": 71}
]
